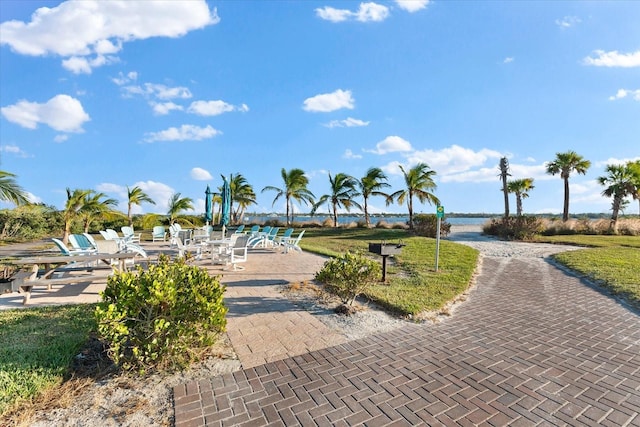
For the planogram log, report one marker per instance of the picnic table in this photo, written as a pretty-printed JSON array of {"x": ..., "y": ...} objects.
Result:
[{"x": 31, "y": 274}]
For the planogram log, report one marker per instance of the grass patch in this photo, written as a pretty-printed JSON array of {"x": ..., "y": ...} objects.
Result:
[
  {"x": 413, "y": 285},
  {"x": 594, "y": 241},
  {"x": 615, "y": 268},
  {"x": 36, "y": 348}
]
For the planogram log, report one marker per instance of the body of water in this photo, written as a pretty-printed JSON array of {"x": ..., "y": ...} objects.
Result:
[{"x": 345, "y": 219}]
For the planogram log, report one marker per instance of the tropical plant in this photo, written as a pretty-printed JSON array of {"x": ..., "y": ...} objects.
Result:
[
  {"x": 620, "y": 184},
  {"x": 178, "y": 204},
  {"x": 564, "y": 164},
  {"x": 343, "y": 191},
  {"x": 10, "y": 191},
  {"x": 521, "y": 188},
  {"x": 419, "y": 182},
  {"x": 295, "y": 188},
  {"x": 135, "y": 196},
  {"x": 76, "y": 200},
  {"x": 94, "y": 207},
  {"x": 242, "y": 193},
  {"x": 349, "y": 275},
  {"x": 504, "y": 173},
  {"x": 371, "y": 185},
  {"x": 634, "y": 167}
]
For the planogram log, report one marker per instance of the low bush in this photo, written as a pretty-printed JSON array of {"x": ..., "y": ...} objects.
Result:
[
  {"x": 162, "y": 318},
  {"x": 426, "y": 225},
  {"x": 349, "y": 275},
  {"x": 515, "y": 228}
]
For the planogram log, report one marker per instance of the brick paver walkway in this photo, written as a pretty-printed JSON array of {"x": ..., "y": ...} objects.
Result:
[{"x": 532, "y": 346}]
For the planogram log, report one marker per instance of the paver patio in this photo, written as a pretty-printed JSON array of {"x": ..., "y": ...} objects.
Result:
[{"x": 532, "y": 346}]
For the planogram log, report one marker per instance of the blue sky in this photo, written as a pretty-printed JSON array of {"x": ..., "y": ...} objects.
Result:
[{"x": 170, "y": 95}]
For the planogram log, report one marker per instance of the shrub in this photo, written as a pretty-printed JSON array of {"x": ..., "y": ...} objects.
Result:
[
  {"x": 161, "y": 318},
  {"x": 349, "y": 275},
  {"x": 515, "y": 228},
  {"x": 426, "y": 225}
]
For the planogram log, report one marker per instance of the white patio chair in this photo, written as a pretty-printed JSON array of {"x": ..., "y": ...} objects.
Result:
[
  {"x": 158, "y": 233},
  {"x": 294, "y": 244}
]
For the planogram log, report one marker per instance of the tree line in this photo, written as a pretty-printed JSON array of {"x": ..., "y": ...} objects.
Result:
[{"x": 345, "y": 192}]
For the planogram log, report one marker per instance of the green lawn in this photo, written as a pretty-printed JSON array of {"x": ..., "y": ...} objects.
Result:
[
  {"x": 37, "y": 346},
  {"x": 412, "y": 286}
]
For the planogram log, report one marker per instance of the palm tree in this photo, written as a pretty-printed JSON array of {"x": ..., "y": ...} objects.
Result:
[
  {"x": 343, "y": 191},
  {"x": 295, "y": 188},
  {"x": 242, "y": 193},
  {"x": 564, "y": 164},
  {"x": 76, "y": 200},
  {"x": 619, "y": 183},
  {"x": 419, "y": 182},
  {"x": 10, "y": 191},
  {"x": 634, "y": 167},
  {"x": 136, "y": 196},
  {"x": 94, "y": 207},
  {"x": 178, "y": 204},
  {"x": 521, "y": 188},
  {"x": 370, "y": 185},
  {"x": 504, "y": 173}
]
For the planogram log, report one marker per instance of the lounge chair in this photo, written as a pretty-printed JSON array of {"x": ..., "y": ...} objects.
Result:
[
  {"x": 158, "y": 233},
  {"x": 258, "y": 238},
  {"x": 65, "y": 250},
  {"x": 130, "y": 235},
  {"x": 294, "y": 244},
  {"x": 80, "y": 242},
  {"x": 184, "y": 249},
  {"x": 286, "y": 236},
  {"x": 240, "y": 229}
]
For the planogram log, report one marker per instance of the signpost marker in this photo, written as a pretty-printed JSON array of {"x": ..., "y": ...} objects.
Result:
[{"x": 439, "y": 216}]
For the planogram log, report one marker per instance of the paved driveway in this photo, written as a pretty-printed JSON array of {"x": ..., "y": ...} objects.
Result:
[{"x": 532, "y": 346}]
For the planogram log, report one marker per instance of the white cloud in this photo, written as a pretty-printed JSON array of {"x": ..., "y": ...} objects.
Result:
[
  {"x": 454, "y": 159},
  {"x": 164, "y": 108},
  {"x": 81, "y": 29},
  {"x": 13, "y": 149},
  {"x": 392, "y": 168},
  {"x": 33, "y": 198},
  {"x": 391, "y": 144},
  {"x": 123, "y": 79},
  {"x": 613, "y": 59},
  {"x": 200, "y": 174},
  {"x": 367, "y": 12},
  {"x": 327, "y": 102},
  {"x": 159, "y": 91},
  {"x": 412, "y": 5},
  {"x": 568, "y": 22},
  {"x": 60, "y": 138},
  {"x": 508, "y": 60},
  {"x": 623, "y": 93},
  {"x": 348, "y": 154},
  {"x": 62, "y": 113},
  {"x": 615, "y": 161},
  {"x": 214, "y": 108},
  {"x": 183, "y": 133},
  {"x": 84, "y": 65},
  {"x": 348, "y": 122}
]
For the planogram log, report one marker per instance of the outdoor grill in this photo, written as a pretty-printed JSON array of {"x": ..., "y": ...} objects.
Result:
[{"x": 384, "y": 250}]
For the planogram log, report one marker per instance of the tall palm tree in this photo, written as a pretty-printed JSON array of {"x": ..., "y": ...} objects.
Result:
[
  {"x": 135, "y": 196},
  {"x": 10, "y": 191},
  {"x": 419, "y": 182},
  {"x": 504, "y": 173},
  {"x": 295, "y": 188},
  {"x": 93, "y": 207},
  {"x": 371, "y": 185},
  {"x": 521, "y": 188},
  {"x": 564, "y": 164},
  {"x": 619, "y": 183},
  {"x": 343, "y": 191},
  {"x": 241, "y": 193},
  {"x": 178, "y": 204},
  {"x": 76, "y": 200},
  {"x": 634, "y": 167}
]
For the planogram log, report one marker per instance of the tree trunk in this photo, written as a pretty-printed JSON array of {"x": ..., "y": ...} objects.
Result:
[
  {"x": 67, "y": 232},
  {"x": 506, "y": 195},
  {"x": 519, "y": 204},
  {"x": 410, "y": 205},
  {"x": 366, "y": 213},
  {"x": 288, "y": 222},
  {"x": 335, "y": 216},
  {"x": 615, "y": 209},
  {"x": 565, "y": 209}
]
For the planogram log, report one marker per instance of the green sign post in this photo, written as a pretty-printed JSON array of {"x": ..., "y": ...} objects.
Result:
[{"x": 439, "y": 215}]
